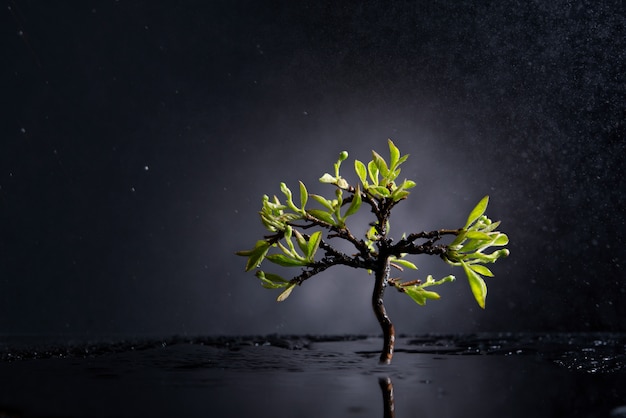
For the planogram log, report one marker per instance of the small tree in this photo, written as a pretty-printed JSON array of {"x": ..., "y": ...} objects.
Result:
[{"x": 376, "y": 252}]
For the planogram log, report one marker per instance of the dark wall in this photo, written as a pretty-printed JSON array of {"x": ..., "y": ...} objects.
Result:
[{"x": 139, "y": 137}]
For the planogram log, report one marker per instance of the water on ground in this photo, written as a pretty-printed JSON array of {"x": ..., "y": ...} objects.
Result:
[{"x": 486, "y": 375}]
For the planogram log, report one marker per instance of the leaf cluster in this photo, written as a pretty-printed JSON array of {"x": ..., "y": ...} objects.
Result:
[
  {"x": 417, "y": 290},
  {"x": 379, "y": 190},
  {"x": 468, "y": 249}
]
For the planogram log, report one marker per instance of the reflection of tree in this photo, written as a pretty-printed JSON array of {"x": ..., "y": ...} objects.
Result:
[{"x": 387, "y": 388}]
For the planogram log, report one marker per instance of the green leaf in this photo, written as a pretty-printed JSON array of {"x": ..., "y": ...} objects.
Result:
[
  {"x": 458, "y": 240},
  {"x": 322, "y": 216},
  {"x": 381, "y": 191},
  {"x": 477, "y": 284},
  {"x": 268, "y": 284},
  {"x": 403, "y": 263},
  {"x": 302, "y": 243},
  {"x": 322, "y": 201},
  {"x": 402, "y": 159},
  {"x": 417, "y": 291},
  {"x": 271, "y": 281},
  {"x": 287, "y": 251},
  {"x": 313, "y": 245},
  {"x": 304, "y": 195},
  {"x": 270, "y": 222},
  {"x": 480, "y": 269},
  {"x": 372, "y": 233},
  {"x": 430, "y": 281},
  {"x": 327, "y": 178},
  {"x": 274, "y": 278},
  {"x": 361, "y": 171},
  {"x": 399, "y": 194},
  {"x": 408, "y": 184},
  {"x": 502, "y": 239},
  {"x": 478, "y": 235},
  {"x": 355, "y": 204},
  {"x": 286, "y": 261},
  {"x": 373, "y": 171},
  {"x": 477, "y": 212},
  {"x": 491, "y": 227},
  {"x": 272, "y": 207},
  {"x": 394, "y": 154},
  {"x": 380, "y": 164},
  {"x": 285, "y": 190},
  {"x": 286, "y": 293},
  {"x": 255, "y": 255},
  {"x": 473, "y": 245},
  {"x": 342, "y": 183},
  {"x": 448, "y": 278},
  {"x": 393, "y": 174},
  {"x": 487, "y": 258},
  {"x": 420, "y": 295}
]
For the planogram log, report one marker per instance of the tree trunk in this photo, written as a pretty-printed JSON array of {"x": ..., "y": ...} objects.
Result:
[{"x": 389, "y": 335}]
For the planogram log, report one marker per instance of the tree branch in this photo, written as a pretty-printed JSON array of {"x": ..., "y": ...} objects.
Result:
[
  {"x": 343, "y": 233},
  {"x": 333, "y": 258},
  {"x": 434, "y": 235}
]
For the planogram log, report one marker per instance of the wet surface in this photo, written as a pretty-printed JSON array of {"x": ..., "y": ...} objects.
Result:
[{"x": 485, "y": 375}]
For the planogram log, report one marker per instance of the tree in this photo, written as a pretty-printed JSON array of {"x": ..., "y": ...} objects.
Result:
[{"x": 376, "y": 252}]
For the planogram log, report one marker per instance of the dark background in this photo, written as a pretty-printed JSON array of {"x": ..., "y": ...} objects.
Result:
[{"x": 138, "y": 138}]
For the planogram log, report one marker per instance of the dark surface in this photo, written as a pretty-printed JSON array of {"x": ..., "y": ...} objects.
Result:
[{"x": 488, "y": 375}]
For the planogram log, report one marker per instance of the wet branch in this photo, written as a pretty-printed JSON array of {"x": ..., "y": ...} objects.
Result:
[
  {"x": 340, "y": 232},
  {"x": 408, "y": 245},
  {"x": 333, "y": 257}
]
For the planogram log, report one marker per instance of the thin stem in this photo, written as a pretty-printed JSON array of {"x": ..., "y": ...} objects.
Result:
[{"x": 389, "y": 334}]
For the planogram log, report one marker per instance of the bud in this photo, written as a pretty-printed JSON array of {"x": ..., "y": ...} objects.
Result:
[{"x": 342, "y": 184}]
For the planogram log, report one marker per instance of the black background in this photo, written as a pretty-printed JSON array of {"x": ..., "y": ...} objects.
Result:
[{"x": 138, "y": 138}]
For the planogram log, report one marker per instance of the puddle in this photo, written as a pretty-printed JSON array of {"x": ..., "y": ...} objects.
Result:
[{"x": 487, "y": 375}]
